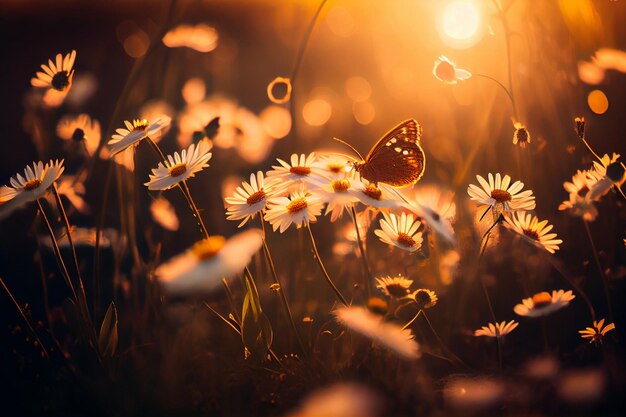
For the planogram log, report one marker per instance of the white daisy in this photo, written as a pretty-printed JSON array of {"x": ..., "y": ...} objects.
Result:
[
  {"x": 434, "y": 205},
  {"x": 400, "y": 231},
  {"x": 334, "y": 165},
  {"x": 543, "y": 303},
  {"x": 372, "y": 326},
  {"x": 201, "y": 37},
  {"x": 501, "y": 195},
  {"x": 397, "y": 287},
  {"x": 163, "y": 213},
  {"x": 56, "y": 78},
  {"x": 293, "y": 176},
  {"x": 532, "y": 230},
  {"x": 608, "y": 172},
  {"x": 378, "y": 196},
  {"x": 135, "y": 132},
  {"x": 497, "y": 330},
  {"x": 596, "y": 333},
  {"x": 300, "y": 209},
  {"x": 578, "y": 204},
  {"x": 74, "y": 191},
  {"x": 424, "y": 298},
  {"x": 34, "y": 184},
  {"x": 445, "y": 70},
  {"x": 180, "y": 167},
  {"x": 202, "y": 267},
  {"x": 249, "y": 198},
  {"x": 337, "y": 194},
  {"x": 521, "y": 136},
  {"x": 80, "y": 129}
]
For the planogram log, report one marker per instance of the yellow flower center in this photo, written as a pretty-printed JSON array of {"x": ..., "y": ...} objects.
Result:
[
  {"x": 297, "y": 205},
  {"x": 405, "y": 239},
  {"x": 32, "y": 184},
  {"x": 140, "y": 124},
  {"x": 542, "y": 299},
  {"x": 373, "y": 191},
  {"x": 177, "y": 170},
  {"x": 501, "y": 196},
  {"x": 256, "y": 197},
  {"x": 302, "y": 171},
  {"x": 340, "y": 186},
  {"x": 531, "y": 234},
  {"x": 335, "y": 167},
  {"x": 208, "y": 248}
]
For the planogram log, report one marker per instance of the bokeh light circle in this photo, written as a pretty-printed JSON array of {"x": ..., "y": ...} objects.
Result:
[
  {"x": 461, "y": 24},
  {"x": 598, "y": 102}
]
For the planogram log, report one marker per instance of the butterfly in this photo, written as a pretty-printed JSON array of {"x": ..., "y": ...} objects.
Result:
[{"x": 397, "y": 159}]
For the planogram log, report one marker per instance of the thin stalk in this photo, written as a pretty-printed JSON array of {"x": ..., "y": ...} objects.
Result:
[
  {"x": 605, "y": 284},
  {"x": 366, "y": 266},
  {"x": 412, "y": 320},
  {"x": 324, "y": 272},
  {"x": 57, "y": 252},
  {"x": 443, "y": 346},
  {"x": 100, "y": 225},
  {"x": 298, "y": 62},
  {"x": 281, "y": 291},
  {"x": 507, "y": 41},
  {"x": 506, "y": 90},
  {"x": 21, "y": 311}
]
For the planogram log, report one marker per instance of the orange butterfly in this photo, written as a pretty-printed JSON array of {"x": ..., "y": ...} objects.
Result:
[{"x": 397, "y": 159}]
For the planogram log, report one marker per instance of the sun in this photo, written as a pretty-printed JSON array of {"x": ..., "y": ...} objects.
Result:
[{"x": 461, "y": 24}]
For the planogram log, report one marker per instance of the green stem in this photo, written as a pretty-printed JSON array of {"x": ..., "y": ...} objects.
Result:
[
  {"x": 281, "y": 290},
  {"x": 324, "y": 272},
  {"x": 366, "y": 266},
  {"x": 603, "y": 276},
  {"x": 21, "y": 311},
  {"x": 506, "y": 90},
  {"x": 443, "y": 346}
]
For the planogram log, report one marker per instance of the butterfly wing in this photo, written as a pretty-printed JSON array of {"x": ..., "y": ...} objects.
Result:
[{"x": 397, "y": 158}]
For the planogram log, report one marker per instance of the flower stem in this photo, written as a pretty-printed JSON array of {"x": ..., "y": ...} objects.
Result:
[
  {"x": 281, "y": 290},
  {"x": 321, "y": 264},
  {"x": 443, "y": 346},
  {"x": 506, "y": 90},
  {"x": 412, "y": 320},
  {"x": 21, "y": 311},
  {"x": 366, "y": 266},
  {"x": 605, "y": 284}
]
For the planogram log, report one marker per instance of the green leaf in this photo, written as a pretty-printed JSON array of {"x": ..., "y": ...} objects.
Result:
[
  {"x": 108, "y": 338},
  {"x": 256, "y": 330}
]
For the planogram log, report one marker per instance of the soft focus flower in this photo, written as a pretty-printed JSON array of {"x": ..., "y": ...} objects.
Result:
[
  {"x": 609, "y": 58},
  {"x": 400, "y": 231},
  {"x": 532, "y": 230},
  {"x": 608, "y": 172},
  {"x": 543, "y": 303},
  {"x": 135, "y": 132},
  {"x": 436, "y": 206},
  {"x": 338, "y": 196},
  {"x": 445, "y": 70},
  {"x": 80, "y": 129},
  {"x": 377, "y": 196},
  {"x": 180, "y": 167},
  {"x": 424, "y": 298},
  {"x": 473, "y": 395},
  {"x": 81, "y": 236},
  {"x": 521, "y": 135},
  {"x": 74, "y": 190},
  {"x": 202, "y": 38},
  {"x": 34, "y": 184},
  {"x": 582, "y": 386},
  {"x": 578, "y": 204},
  {"x": 340, "y": 400},
  {"x": 397, "y": 287},
  {"x": 370, "y": 325},
  {"x": 163, "y": 213},
  {"x": 596, "y": 333},
  {"x": 498, "y": 330},
  {"x": 501, "y": 195},
  {"x": 249, "y": 198},
  {"x": 56, "y": 78},
  {"x": 448, "y": 265},
  {"x": 292, "y": 176},
  {"x": 334, "y": 165},
  {"x": 300, "y": 209},
  {"x": 542, "y": 367},
  {"x": 202, "y": 267}
]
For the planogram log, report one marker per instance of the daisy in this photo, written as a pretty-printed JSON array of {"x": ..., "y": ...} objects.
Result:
[
  {"x": 424, "y": 298},
  {"x": 249, "y": 198},
  {"x": 337, "y": 194},
  {"x": 445, "y": 70},
  {"x": 334, "y": 164},
  {"x": 80, "y": 129},
  {"x": 293, "y": 176},
  {"x": 532, "y": 230},
  {"x": 202, "y": 267},
  {"x": 543, "y": 303},
  {"x": 299, "y": 209},
  {"x": 34, "y": 184},
  {"x": 180, "y": 167},
  {"x": 436, "y": 206},
  {"x": 596, "y": 333},
  {"x": 202, "y": 38},
  {"x": 501, "y": 195},
  {"x": 370, "y": 325},
  {"x": 578, "y": 204},
  {"x": 135, "y": 132},
  {"x": 608, "y": 172},
  {"x": 397, "y": 287},
  {"x": 344, "y": 399},
  {"x": 163, "y": 213},
  {"x": 448, "y": 265},
  {"x": 521, "y": 135},
  {"x": 56, "y": 78},
  {"x": 377, "y": 196},
  {"x": 74, "y": 191},
  {"x": 497, "y": 330},
  {"x": 400, "y": 231}
]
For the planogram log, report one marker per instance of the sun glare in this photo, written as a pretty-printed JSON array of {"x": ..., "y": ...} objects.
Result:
[{"x": 461, "y": 23}]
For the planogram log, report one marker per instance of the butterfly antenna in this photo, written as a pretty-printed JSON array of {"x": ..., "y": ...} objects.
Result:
[{"x": 349, "y": 146}]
